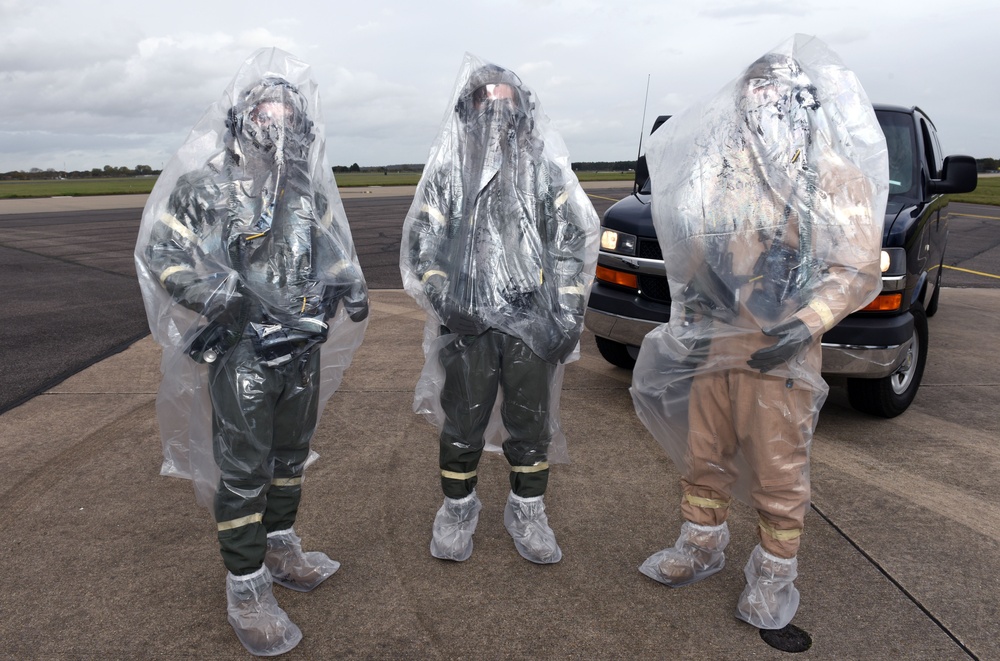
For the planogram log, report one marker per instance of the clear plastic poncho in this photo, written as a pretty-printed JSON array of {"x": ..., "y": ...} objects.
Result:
[
  {"x": 500, "y": 234},
  {"x": 768, "y": 201},
  {"x": 244, "y": 236}
]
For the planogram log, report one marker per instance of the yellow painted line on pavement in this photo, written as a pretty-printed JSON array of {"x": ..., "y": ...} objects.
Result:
[
  {"x": 601, "y": 197},
  {"x": 985, "y": 275},
  {"x": 969, "y": 215}
]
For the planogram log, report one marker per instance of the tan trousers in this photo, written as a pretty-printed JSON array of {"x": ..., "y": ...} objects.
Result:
[{"x": 770, "y": 419}]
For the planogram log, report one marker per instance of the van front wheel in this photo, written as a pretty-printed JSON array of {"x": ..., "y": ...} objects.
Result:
[
  {"x": 891, "y": 395},
  {"x": 615, "y": 353}
]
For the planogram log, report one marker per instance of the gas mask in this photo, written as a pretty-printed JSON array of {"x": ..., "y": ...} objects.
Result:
[
  {"x": 776, "y": 99},
  {"x": 268, "y": 124},
  {"x": 495, "y": 123}
]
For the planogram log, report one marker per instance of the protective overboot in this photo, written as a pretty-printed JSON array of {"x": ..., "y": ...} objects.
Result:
[
  {"x": 260, "y": 624},
  {"x": 526, "y": 522},
  {"x": 293, "y": 568},
  {"x": 454, "y": 524},
  {"x": 698, "y": 553},
  {"x": 770, "y": 599}
]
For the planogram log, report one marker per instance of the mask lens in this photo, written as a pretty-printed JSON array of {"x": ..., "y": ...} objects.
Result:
[
  {"x": 488, "y": 94},
  {"x": 271, "y": 113}
]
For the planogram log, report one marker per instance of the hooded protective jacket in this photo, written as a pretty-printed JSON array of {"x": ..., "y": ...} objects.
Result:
[
  {"x": 251, "y": 283},
  {"x": 500, "y": 238},
  {"x": 768, "y": 202}
]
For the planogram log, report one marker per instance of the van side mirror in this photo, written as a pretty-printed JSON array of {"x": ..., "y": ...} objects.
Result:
[
  {"x": 957, "y": 176},
  {"x": 641, "y": 173}
]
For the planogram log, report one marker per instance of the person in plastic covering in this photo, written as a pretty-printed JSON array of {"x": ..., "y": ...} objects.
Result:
[
  {"x": 768, "y": 202},
  {"x": 252, "y": 286},
  {"x": 499, "y": 246}
]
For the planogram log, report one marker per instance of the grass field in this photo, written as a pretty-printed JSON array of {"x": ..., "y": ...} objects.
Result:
[
  {"x": 127, "y": 185},
  {"x": 76, "y": 187},
  {"x": 988, "y": 191}
]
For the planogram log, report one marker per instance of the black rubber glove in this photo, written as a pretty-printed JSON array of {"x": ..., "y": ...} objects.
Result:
[
  {"x": 222, "y": 332},
  {"x": 563, "y": 350},
  {"x": 793, "y": 336},
  {"x": 357, "y": 308},
  {"x": 572, "y": 306},
  {"x": 463, "y": 324},
  {"x": 698, "y": 349},
  {"x": 332, "y": 294},
  {"x": 227, "y": 312},
  {"x": 709, "y": 294},
  {"x": 434, "y": 288}
]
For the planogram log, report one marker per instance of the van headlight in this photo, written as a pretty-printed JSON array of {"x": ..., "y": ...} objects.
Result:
[
  {"x": 618, "y": 242},
  {"x": 893, "y": 262}
]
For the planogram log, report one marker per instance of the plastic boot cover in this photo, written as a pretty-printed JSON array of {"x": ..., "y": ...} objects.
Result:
[
  {"x": 770, "y": 599},
  {"x": 260, "y": 624},
  {"x": 454, "y": 524},
  {"x": 293, "y": 568},
  {"x": 526, "y": 522},
  {"x": 697, "y": 554}
]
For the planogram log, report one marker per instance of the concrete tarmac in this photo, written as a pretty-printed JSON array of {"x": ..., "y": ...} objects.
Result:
[{"x": 111, "y": 560}]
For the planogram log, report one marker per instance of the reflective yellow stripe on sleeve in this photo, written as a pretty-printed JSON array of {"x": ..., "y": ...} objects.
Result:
[
  {"x": 434, "y": 214},
  {"x": 169, "y": 271},
  {"x": 433, "y": 272},
  {"x": 825, "y": 315},
  {"x": 239, "y": 523},
  {"x": 340, "y": 266},
  {"x": 178, "y": 227}
]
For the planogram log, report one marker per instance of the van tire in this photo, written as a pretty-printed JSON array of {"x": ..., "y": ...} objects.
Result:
[
  {"x": 891, "y": 395},
  {"x": 615, "y": 353}
]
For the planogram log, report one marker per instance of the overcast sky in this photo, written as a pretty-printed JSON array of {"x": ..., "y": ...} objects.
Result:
[{"x": 93, "y": 83}]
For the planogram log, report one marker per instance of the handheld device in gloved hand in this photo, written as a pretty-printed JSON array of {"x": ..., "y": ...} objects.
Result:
[
  {"x": 775, "y": 282},
  {"x": 793, "y": 336},
  {"x": 222, "y": 332},
  {"x": 278, "y": 343},
  {"x": 212, "y": 342},
  {"x": 710, "y": 294}
]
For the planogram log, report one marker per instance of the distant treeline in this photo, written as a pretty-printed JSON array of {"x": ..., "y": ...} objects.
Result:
[
  {"x": 987, "y": 164},
  {"x": 605, "y": 166},
  {"x": 35, "y": 174},
  {"x": 982, "y": 164},
  {"x": 405, "y": 167},
  {"x": 596, "y": 166}
]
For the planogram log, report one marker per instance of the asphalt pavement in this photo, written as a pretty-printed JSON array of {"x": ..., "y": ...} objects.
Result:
[{"x": 111, "y": 560}]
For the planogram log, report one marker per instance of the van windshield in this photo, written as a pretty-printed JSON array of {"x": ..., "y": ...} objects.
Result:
[{"x": 902, "y": 146}]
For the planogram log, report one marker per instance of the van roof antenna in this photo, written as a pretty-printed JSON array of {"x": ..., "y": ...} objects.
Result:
[{"x": 642, "y": 130}]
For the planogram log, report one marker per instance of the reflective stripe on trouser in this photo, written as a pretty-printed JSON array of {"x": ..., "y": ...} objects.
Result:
[
  {"x": 263, "y": 419},
  {"x": 475, "y": 368},
  {"x": 771, "y": 420}
]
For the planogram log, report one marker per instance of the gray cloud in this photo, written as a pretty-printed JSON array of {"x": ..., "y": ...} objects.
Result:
[{"x": 83, "y": 88}]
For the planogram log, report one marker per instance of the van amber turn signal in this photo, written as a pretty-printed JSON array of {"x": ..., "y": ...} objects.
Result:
[
  {"x": 884, "y": 303},
  {"x": 620, "y": 278}
]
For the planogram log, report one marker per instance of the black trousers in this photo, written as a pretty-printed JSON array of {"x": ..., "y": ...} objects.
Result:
[
  {"x": 476, "y": 368},
  {"x": 263, "y": 419}
]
